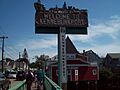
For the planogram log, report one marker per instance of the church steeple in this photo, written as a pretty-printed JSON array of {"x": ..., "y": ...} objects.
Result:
[
  {"x": 64, "y": 5},
  {"x": 39, "y": 1},
  {"x": 56, "y": 8}
]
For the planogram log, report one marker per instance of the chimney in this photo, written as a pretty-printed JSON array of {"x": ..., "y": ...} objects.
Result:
[{"x": 83, "y": 51}]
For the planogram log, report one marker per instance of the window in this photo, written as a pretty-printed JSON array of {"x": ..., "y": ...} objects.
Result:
[
  {"x": 76, "y": 72},
  {"x": 94, "y": 72},
  {"x": 57, "y": 72}
]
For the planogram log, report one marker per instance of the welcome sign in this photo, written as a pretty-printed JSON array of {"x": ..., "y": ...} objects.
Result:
[
  {"x": 62, "y": 18},
  {"x": 49, "y": 21}
]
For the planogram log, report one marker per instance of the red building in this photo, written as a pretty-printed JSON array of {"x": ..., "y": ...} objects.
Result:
[{"x": 78, "y": 67}]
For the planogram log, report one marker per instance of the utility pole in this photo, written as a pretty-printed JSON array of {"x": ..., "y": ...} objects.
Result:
[
  {"x": 3, "y": 37},
  {"x": 19, "y": 60}
]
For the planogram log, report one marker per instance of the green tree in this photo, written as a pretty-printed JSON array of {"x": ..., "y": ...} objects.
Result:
[
  {"x": 33, "y": 65},
  {"x": 40, "y": 60},
  {"x": 105, "y": 73},
  {"x": 104, "y": 77}
]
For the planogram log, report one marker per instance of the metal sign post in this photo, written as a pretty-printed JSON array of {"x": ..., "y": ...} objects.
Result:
[
  {"x": 61, "y": 21},
  {"x": 62, "y": 72}
]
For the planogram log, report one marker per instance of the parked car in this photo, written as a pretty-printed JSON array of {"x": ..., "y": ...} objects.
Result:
[
  {"x": 4, "y": 82},
  {"x": 20, "y": 75},
  {"x": 12, "y": 74}
]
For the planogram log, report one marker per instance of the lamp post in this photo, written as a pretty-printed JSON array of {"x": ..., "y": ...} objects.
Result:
[{"x": 19, "y": 60}]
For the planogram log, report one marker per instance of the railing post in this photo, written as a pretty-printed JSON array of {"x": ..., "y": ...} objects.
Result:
[
  {"x": 51, "y": 85},
  {"x": 18, "y": 86}
]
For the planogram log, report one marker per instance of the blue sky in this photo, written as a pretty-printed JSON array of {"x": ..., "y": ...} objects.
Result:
[{"x": 17, "y": 22}]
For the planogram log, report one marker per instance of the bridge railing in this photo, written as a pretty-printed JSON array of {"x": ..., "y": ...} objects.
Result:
[
  {"x": 19, "y": 86},
  {"x": 50, "y": 85}
]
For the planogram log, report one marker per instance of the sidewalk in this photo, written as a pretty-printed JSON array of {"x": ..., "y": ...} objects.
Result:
[{"x": 34, "y": 86}]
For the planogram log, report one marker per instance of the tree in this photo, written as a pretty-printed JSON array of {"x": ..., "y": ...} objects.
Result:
[
  {"x": 40, "y": 61},
  {"x": 33, "y": 65},
  {"x": 105, "y": 76}
]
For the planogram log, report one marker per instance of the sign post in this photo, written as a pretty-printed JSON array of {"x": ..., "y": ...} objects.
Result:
[
  {"x": 61, "y": 21},
  {"x": 62, "y": 73}
]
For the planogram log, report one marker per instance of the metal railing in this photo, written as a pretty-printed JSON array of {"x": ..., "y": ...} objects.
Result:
[
  {"x": 50, "y": 85},
  {"x": 19, "y": 86}
]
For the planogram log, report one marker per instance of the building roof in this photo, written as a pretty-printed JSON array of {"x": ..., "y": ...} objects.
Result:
[
  {"x": 114, "y": 55},
  {"x": 23, "y": 60},
  {"x": 70, "y": 48}
]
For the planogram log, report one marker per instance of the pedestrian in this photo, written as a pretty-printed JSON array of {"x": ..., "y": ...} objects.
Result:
[
  {"x": 35, "y": 78},
  {"x": 40, "y": 76},
  {"x": 29, "y": 79}
]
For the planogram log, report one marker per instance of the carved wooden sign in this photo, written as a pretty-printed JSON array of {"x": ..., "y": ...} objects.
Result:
[{"x": 60, "y": 17}]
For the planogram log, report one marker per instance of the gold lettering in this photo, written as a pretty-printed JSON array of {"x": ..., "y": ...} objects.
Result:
[
  {"x": 45, "y": 15},
  {"x": 58, "y": 18}
]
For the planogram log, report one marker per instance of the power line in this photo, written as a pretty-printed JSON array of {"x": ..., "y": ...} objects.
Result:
[
  {"x": 12, "y": 50},
  {"x": 8, "y": 55},
  {"x": 3, "y": 33}
]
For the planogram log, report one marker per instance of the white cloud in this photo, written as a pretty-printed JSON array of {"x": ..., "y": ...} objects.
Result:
[
  {"x": 32, "y": 44},
  {"x": 109, "y": 28},
  {"x": 104, "y": 49},
  {"x": 38, "y": 46}
]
